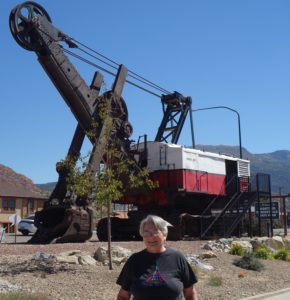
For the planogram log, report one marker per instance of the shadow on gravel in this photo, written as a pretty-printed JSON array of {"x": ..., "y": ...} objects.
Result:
[{"x": 40, "y": 267}]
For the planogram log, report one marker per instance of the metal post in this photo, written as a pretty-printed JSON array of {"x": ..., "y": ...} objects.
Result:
[
  {"x": 258, "y": 192},
  {"x": 239, "y": 122},
  {"x": 191, "y": 127},
  {"x": 271, "y": 215},
  {"x": 285, "y": 216}
]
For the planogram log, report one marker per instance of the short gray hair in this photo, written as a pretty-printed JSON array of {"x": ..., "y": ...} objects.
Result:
[{"x": 158, "y": 222}]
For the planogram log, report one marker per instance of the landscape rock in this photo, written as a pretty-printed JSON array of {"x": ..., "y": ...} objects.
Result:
[
  {"x": 119, "y": 254},
  {"x": 286, "y": 241},
  {"x": 194, "y": 261},
  {"x": 257, "y": 242},
  {"x": 276, "y": 242},
  {"x": 86, "y": 260},
  {"x": 221, "y": 245},
  {"x": 68, "y": 259},
  {"x": 207, "y": 254},
  {"x": 45, "y": 257}
]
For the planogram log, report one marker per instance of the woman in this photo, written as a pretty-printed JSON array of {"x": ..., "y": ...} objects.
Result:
[{"x": 157, "y": 272}]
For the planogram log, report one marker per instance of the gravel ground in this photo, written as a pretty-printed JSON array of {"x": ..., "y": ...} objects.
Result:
[{"x": 61, "y": 281}]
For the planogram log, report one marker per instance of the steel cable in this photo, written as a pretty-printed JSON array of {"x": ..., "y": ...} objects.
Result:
[
  {"x": 107, "y": 71},
  {"x": 140, "y": 79},
  {"x": 134, "y": 75},
  {"x": 73, "y": 43}
]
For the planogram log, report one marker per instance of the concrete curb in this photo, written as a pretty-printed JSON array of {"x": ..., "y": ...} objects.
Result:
[{"x": 269, "y": 295}]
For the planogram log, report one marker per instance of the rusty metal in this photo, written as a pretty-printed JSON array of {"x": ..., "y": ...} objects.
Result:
[{"x": 64, "y": 218}]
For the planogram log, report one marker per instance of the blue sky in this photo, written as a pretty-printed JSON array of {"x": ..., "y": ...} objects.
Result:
[{"x": 233, "y": 53}]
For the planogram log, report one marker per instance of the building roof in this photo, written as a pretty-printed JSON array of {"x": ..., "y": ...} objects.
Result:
[{"x": 17, "y": 185}]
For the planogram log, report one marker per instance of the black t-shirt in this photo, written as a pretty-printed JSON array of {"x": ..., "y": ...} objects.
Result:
[{"x": 149, "y": 276}]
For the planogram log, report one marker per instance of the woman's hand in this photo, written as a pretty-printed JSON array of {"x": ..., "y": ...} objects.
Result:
[
  {"x": 123, "y": 295},
  {"x": 190, "y": 293}
]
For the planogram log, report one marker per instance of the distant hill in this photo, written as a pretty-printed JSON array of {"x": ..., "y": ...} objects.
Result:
[
  {"x": 46, "y": 186},
  {"x": 277, "y": 164},
  {"x": 13, "y": 184}
]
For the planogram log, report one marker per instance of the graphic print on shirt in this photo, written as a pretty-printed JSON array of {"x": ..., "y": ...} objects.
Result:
[{"x": 155, "y": 278}]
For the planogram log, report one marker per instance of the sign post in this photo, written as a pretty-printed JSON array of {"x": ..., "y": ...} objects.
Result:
[{"x": 14, "y": 220}]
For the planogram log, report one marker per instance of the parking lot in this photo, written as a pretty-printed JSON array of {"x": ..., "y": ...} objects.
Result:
[{"x": 10, "y": 238}]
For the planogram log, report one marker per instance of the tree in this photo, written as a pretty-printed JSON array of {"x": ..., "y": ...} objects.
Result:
[{"x": 117, "y": 172}]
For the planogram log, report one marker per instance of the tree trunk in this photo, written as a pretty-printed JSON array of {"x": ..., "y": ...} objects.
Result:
[{"x": 109, "y": 235}]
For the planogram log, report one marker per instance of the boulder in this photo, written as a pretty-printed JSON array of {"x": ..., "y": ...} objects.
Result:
[
  {"x": 119, "y": 254},
  {"x": 86, "y": 260},
  {"x": 258, "y": 242},
  {"x": 286, "y": 241},
  {"x": 207, "y": 254},
  {"x": 275, "y": 243},
  {"x": 221, "y": 245},
  {"x": 69, "y": 259}
]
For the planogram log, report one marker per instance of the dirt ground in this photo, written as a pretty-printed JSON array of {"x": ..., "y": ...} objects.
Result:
[{"x": 65, "y": 281}]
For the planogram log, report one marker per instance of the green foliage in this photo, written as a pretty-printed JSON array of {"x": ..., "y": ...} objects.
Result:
[
  {"x": 283, "y": 254},
  {"x": 22, "y": 296},
  {"x": 237, "y": 249},
  {"x": 80, "y": 181},
  {"x": 263, "y": 253},
  {"x": 215, "y": 281},
  {"x": 118, "y": 173},
  {"x": 249, "y": 262},
  {"x": 108, "y": 187}
]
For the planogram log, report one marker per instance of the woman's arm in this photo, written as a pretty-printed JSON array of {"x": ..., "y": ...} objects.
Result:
[
  {"x": 123, "y": 295},
  {"x": 190, "y": 293}
]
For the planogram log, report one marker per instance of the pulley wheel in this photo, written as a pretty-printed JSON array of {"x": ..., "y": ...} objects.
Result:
[
  {"x": 119, "y": 113},
  {"x": 21, "y": 23},
  {"x": 118, "y": 108}
]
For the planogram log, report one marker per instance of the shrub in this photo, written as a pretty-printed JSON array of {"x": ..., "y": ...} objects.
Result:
[
  {"x": 249, "y": 262},
  {"x": 283, "y": 254},
  {"x": 237, "y": 249},
  {"x": 215, "y": 281},
  {"x": 263, "y": 253}
]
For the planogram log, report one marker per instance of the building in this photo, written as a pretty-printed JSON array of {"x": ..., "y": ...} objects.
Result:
[{"x": 18, "y": 195}]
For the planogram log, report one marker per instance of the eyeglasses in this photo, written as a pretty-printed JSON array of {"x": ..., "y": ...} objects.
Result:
[{"x": 151, "y": 233}]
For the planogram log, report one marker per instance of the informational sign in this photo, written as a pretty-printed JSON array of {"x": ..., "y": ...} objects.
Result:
[
  {"x": 265, "y": 212},
  {"x": 14, "y": 219}
]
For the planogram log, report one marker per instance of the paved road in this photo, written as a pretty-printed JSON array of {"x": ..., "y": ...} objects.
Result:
[
  {"x": 21, "y": 239},
  {"x": 10, "y": 238},
  {"x": 278, "y": 295}
]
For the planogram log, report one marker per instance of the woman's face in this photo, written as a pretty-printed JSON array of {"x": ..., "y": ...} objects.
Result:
[{"x": 153, "y": 238}]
